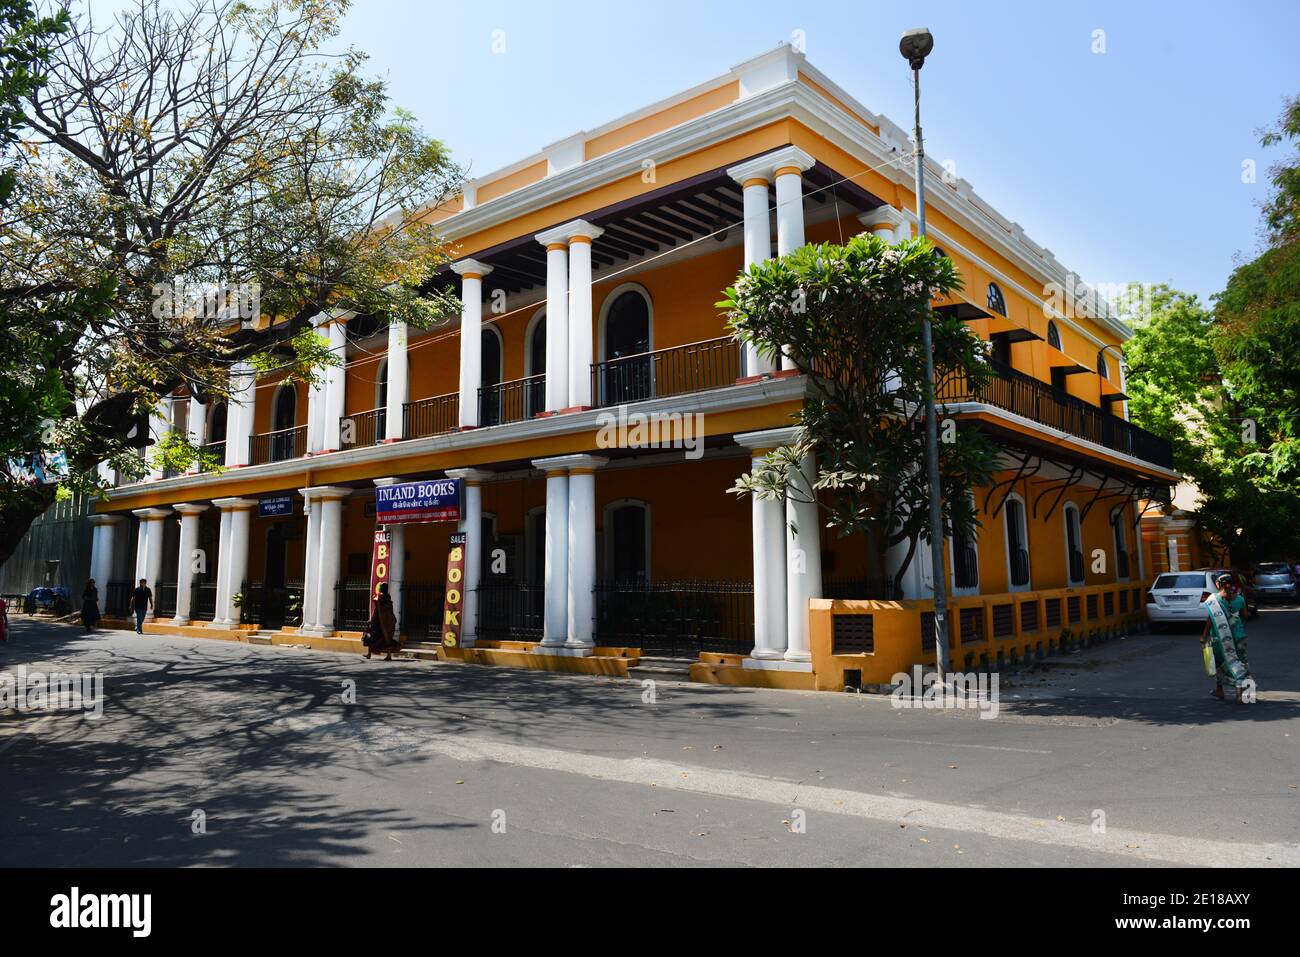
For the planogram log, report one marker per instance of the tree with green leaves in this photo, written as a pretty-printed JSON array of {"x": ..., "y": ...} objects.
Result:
[
  {"x": 24, "y": 47},
  {"x": 1177, "y": 390},
  {"x": 229, "y": 149},
  {"x": 849, "y": 317}
]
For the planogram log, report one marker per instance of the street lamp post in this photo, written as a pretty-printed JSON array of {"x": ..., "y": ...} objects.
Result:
[{"x": 915, "y": 46}]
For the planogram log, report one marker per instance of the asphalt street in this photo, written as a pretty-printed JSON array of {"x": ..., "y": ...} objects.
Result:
[{"x": 216, "y": 753}]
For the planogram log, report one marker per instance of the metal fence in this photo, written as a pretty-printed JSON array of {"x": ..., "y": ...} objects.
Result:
[
  {"x": 676, "y": 617},
  {"x": 363, "y": 428},
  {"x": 352, "y": 604},
  {"x": 117, "y": 596},
  {"x": 271, "y": 606},
  {"x": 677, "y": 370},
  {"x": 433, "y": 416},
  {"x": 510, "y": 610},
  {"x": 1034, "y": 399},
  {"x": 277, "y": 446},
  {"x": 164, "y": 599},
  {"x": 422, "y": 604},
  {"x": 512, "y": 401}
]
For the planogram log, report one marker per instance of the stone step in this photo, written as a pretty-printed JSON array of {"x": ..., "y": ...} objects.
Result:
[{"x": 676, "y": 669}]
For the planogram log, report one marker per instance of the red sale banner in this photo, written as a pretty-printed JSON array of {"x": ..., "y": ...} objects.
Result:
[
  {"x": 454, "y": 603},
  {"x": 379, "y": 564}
]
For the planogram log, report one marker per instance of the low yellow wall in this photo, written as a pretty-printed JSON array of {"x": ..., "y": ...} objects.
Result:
[{"x": 983, "y": 630}]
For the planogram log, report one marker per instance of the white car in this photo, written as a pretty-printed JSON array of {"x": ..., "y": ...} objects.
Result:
[
  {"x": 1275, "y": 580},
  {"x": 1175, "y": 597}
]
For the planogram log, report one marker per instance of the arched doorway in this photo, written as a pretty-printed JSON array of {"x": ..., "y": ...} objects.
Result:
[
  {"x": 489, "y": 376},
  {"x": 535, "y": 366},
  {"x": 626, "y": 373},
  {"x": 284, "y": 418}
]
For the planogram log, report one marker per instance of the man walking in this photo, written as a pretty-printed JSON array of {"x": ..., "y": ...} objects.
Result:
[{"x": 141, "y": 602}]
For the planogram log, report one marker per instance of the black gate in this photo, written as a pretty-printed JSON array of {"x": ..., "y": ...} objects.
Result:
[
  {"x": 117, "y": 595},
  {"x": 422, "y": 604},
  {"x": 676, "y": 617},
  {"x": 510, "y": 611},
  {"x": 352, "y": 604}
]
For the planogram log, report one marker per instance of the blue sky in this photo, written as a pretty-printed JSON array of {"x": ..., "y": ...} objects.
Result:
[{"x": 1127, "y": 164}]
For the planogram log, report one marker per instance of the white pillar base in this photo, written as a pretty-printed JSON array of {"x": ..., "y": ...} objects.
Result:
[
  {"x": 565, "y": 650},
  {"x": 778, "y": 664}
]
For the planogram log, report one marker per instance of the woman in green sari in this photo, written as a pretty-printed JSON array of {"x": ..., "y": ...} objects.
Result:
[{"x": 1227, "y": 636}]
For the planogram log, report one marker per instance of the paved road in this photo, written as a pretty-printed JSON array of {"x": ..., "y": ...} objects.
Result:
[{"x": 458, "y": 765}]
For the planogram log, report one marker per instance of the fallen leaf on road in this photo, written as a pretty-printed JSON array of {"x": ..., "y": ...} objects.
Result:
[
  {"x": 925, "y": 840},
  {"x": 1059, "y": 818}
]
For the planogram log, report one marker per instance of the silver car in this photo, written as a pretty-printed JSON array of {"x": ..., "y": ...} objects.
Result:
[
  {"x": 1275, "y": 580},
  {"x": 1175, "y": 597}
]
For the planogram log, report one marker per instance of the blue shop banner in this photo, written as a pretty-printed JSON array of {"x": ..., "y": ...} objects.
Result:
[
  {"x": 435, "y": 501},
  {"x": 274, "y": 505}
]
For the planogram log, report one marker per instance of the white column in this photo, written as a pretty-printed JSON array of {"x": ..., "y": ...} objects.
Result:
[
  {"x": 198, "y": 427},
  {"x": 327, "y": 511},
  {"x": 471, "y": 273},
  {"x": 771, "y": 584},
  {"x": 102, "y": 547},
  {"x": 557, "y": 328},
  {"x": 582, "y": 553},
  {"x": 398, "y": 383},
  {"x": 316, "y": 400},
  {"x": 555, "y": 625},
  {"x": 753, "y": 180},
  {"x": 141, "y": 548},
  {"x": 396, "y": 567},
  {"x": 310, "y": 564},
  {"x": 151, "y": 553},
  {"x": 803, "y": 561},
  {"x": 240, "y": 414},
  {"x": 336, "y": 381},
  {"x": 222, "y": 603},
  {"x": 789, "y": 211},
  {"x": 159, "y": 425},
  {"x": 189, "y": 544},
  {"x": 471, "y": 523},
  {"x": 887, "y": 223},
  {"x": 232, "y": 562},
  {"x": 568, "y": 295}
]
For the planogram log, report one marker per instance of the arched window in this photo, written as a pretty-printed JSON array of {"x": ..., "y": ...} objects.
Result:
[
  {"x": 1053, "y": 335},
  {"x": 1073, "y": 545},
  {"x": 381, "y": 385},
  {"x": 535, "y": 365},
  {"x": 1017, "y": 543},
  {"x": 964, "y": 557},
  {"x": 1119, "y": 523},
  {"x": 1103, "y": 370},
  {"x": 995, "y": 301},
  {"x": 284, "y": 417},
  {"x": 625, "y": 337},
  {"x": 627, "y": 541},
  {"x": 490, "y": 376},
  {"x": 217, "y": 423}
]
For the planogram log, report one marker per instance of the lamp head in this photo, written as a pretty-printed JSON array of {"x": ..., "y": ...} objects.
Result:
[{"x": 915, "y": 46}]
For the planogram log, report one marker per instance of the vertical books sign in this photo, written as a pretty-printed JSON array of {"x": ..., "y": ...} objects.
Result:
[
  {"x": 379, "y": 564},
  {"x": 454, "y": 604}
]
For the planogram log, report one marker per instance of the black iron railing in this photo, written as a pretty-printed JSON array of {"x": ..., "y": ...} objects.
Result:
[
  {"x": 1020, "y": 567},
  {"x": 676, "y": 617},
  {"x": 433, "y": 416},
  {"x": 677, "y": 370},
  {"x": 1076, "y": 566},
  {"x": 271, "y": 606},
  {"x": 117, "y": 596},
  {"x": 965, "y": 561},
  {"x": 510, "y": 610},
  {"x": 363, "y": 429},
  {"x": 1024, "y": 395},
  {"x": 203, "y": 601},
  {"x": 164, "y": 599},
  {"x": 512, "y": 401},
  {"x": 277, "y": 446},
  {"x": 215, "y": 451},
  {"x": 421, "y": 604},
  {"x": 859, "y": 587},
  {"x": 352, "y": 604}
]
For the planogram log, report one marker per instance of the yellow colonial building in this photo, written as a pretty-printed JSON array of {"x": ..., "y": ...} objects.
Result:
[{"x": 589, "y": 274}]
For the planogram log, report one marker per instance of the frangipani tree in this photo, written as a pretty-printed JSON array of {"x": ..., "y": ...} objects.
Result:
[{"x": 849, "y": 317}]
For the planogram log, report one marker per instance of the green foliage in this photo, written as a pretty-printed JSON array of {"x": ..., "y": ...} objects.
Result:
[
  {"x": 24, "y": 39},
  {"x": 850, "y": 316}
]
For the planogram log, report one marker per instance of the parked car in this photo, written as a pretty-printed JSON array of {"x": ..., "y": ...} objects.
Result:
[
  {"x": 1175, "y": 597},
  {"x": 1275, "y": 580}
]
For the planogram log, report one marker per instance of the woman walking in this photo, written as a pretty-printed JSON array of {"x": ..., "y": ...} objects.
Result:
[
  {"x": 90, "y": 606},
  {"x": 382, "y": 630},
  {"x": 1227, "y": 636}
]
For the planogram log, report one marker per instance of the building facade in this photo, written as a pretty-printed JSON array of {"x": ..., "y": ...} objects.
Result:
[{"x": 596, "y": 412}]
